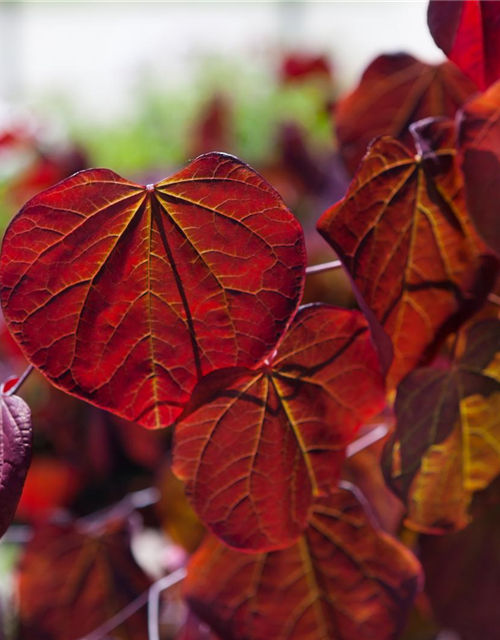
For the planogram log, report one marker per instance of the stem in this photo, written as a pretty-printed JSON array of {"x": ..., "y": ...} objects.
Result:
[
  {"x": 368, "y": 439},
  {"x": 134, "y": 606},
  {"x": 321, "y": 268},
  {"x": 492, "y": 297},
  {"x": 20, "y": 381},
  {"x": 154, "y": 600}
]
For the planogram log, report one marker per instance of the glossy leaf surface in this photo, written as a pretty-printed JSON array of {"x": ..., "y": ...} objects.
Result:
[
  {"x": 479, "y": 143},
  {"x": 126, "y": 295},
  {"x": 404, "y": 237},
  {"x": 467, "y": 31},
  {"x": 71, "y": 582},
  {"x": 447, "y": 439},
  {"x": 395, "y": 91},
  {"x": 257, "y": 445},
  {"x": 344, "y": 580},
  {"x": 16, "y": 438}
]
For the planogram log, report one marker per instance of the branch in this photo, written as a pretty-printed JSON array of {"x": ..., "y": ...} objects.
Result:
[
  {"x": 15, "y": 388},
  {"x": 321, "y": 268},
  {"x": 154, "y": 600},
  {"x": 134, "y": 606},
  {"x": 368, "y": 439}
]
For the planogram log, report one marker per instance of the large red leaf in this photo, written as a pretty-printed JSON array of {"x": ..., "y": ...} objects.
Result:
[
  {"x": 395, "y": 91},
  {"x": 467, "y": 31},
  {"x": 447, "y": 441},
  {"x": 71, "y": 581},
  {"x": 405, "y": 239},
  {"x": 344, "y": 580},
  {"x": 479, "y": 143},
  {"x": 257, "y": 445},
  {"x": 15, "y": 454},
  {"x": 126, "y": 295}
]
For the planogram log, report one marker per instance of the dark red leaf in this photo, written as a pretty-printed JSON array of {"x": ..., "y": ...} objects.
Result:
[
  {"x": 467, "y": 31},
  {"x": 403, "y": 234},
  {"x": 479, "y": 142},
  {"x": 256, "y": 446},
  {"x": 395, "y": 91},
  {"x": 72, "y": 580},
  {"x": 16, "y": 438},
  {"x": 344, "y": 580},
  {"x": 126, "y": 296}
]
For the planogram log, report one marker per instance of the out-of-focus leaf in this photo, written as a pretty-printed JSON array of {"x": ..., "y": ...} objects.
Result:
[
  {"x": 404, "y": 236},
  {"x": 300, "y": 66},
  {"x": 344, "y": 580},
  {"x": 395, "y": 91},
  {"x": 126, "y": 296},
  {"x": 467, "y": 31},
  {"x": 479, "y": 145},
  {"x": 256, "y": 446},
  {"x": 16, "y": 438},
  {"x": 72, "y": 580},
  {"x": 177, "y": 517},
  {"x": 447, "y": 441},
  {"x": 462, "y": 574}
]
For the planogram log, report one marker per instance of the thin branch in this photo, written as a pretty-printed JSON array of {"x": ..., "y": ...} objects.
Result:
[
  {"x": 15, "y": 388},
  {"x": 321, "y": 268},
  {"x": 368, "y": 439},
  {"x": 134, "y": 606},
  {"x": 154, "y": 600},
  {"x": 492, "y": 297}
]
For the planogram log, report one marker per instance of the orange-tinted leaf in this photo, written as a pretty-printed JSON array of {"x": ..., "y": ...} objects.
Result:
[
  {"x": 395, "y": 91},
  {"x": 467, "y": 31},
  {"x": 344, "y": 580},
  {"x": 404, "y": 237},
  {"x": 71, "y": 582},
  {"x": 479, "y": 140},
  {"x": 257, "y": 445},
  {"x": 16, "y": 438},
  {"x": 447, "y": 439},
  {"x": 126, "y": 295}
]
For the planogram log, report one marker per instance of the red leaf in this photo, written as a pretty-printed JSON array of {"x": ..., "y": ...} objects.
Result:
[
  {"x": 126, "y": 295},
  {"x": 467, "y": 31},
  {"x": 395, "y": 91},
  {"x": 344, "y": 580},
  {"x": 71, "y": 581},
  {"x": 479, "y": 142},
  {"x": 257, "y": 445},
  {"x": 16, "y": 438},
  {"x": 404, "y": 236}
]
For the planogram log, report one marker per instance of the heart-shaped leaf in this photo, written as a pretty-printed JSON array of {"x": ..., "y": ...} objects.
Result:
[
  {"x": 403, "y": 234},
  {"x": 395, "y": 91},
  {"x": 72, "y": 580},
  {"x": 126, "y": 295},
  {"x": 467, "y": 31},
  {"x": 16, "y": 438},
  {"x": 344, "y": 580},
  {"x": 447, "y": 440},
  {"x": 479, "y": 143},
  {"x": 257, "y": 445}
]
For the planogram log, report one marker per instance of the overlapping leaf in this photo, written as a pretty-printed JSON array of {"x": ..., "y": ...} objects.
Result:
[
  {"x": 257, "y": 445},
  {"x": 395, "y": 91},
  {"x": 71, "y": 582},
  {"x": 344, "y": 580},
  {"x": 15, "y": 454},
  {"x": 479, "y": 141},
  {"x": 404, "y": 237},
  {"x": 447, "y": 439},
  {"x": 467, "y": 31},
  {"x": 126, "y": 295}
]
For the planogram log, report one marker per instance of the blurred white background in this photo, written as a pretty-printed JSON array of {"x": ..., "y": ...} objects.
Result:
[{"x": 94, "y": 55}]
